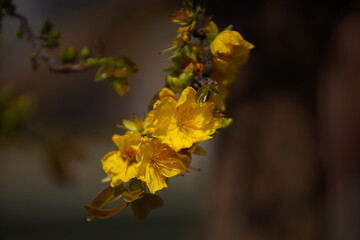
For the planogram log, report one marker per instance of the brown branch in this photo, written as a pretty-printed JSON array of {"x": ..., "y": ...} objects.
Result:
[
  {"x": 40, "y": 48},
  {"x": 200, "y": 33}
]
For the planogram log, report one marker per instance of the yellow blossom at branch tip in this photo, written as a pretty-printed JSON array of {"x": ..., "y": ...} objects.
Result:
[
  {"x": 157, "y": 162},
  {"x": 230, "y": 49},
  {"x": 122, "y": 163},
  {"x": 180, "y": 124}
]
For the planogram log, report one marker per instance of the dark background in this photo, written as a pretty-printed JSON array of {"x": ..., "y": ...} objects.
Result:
[{"x": 287, "y": 169}]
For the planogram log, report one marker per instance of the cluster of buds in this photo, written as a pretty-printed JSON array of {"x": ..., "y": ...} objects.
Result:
[{"x": 187, "y": 111}]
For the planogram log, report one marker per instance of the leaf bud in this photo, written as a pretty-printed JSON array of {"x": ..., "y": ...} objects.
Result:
[
  {"x": 68, "y": 55},
  {"x": 85, "y": 52},
  {"x": 55, "y": 34},
  {"x": 46, "y": 27},
  {"x": 19, "y": 33},
  {"x": 33, "y": 59}
]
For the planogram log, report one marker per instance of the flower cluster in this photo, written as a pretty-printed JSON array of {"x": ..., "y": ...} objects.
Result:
[
  {"x": 157, "y": 148},
  {"x": 189, "y": 110}
]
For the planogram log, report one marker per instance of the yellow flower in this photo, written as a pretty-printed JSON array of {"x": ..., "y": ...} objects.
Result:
[
  {"x": 181, "y": 123},
  {"x": 157, "y": 161},
  {"x": 166, "y": 92},
  {"x": 122, "y": 163},
  {"x": 230, "y": 50},
  {"x": 148, "y": 121}
]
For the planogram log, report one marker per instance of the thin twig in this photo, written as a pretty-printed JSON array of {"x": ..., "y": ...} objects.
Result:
[
  {"x": 39, "y": 46},
  {"x": 201, "y": 32}
]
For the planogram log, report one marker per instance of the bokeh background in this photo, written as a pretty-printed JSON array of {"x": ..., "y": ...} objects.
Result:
[{"x": 287, "y": 169}]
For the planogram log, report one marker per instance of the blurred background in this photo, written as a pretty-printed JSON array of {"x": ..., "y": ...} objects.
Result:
[{"x": 287, "y": 169}]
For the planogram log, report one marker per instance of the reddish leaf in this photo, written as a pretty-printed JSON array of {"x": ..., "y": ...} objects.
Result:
[
  {"x": 94, "y": 212},
  {"x": 142, "y": 207},
  {"x": 107, "y": 196}
]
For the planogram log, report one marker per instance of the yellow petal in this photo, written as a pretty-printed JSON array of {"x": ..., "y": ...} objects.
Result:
[
  {"x": 187, "y": 96},
  {"x": 167, "y": 92},
  {"x": 157, "y": 162},
  {"x": 230, "y": 50},
  {"x": 187, "y": 123},
  {"x": 122, "y": 170}
]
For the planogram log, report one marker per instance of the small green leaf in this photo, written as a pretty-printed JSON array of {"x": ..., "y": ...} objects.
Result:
[
  {"x": 225, "y": 124},
  {"x": 52, "y": 43},
  {"x": 124, "y": 66},
  {"x": 68, "y": 55},
  {"x": 105, "y": 71},
  {"x": 119, "y": 85},
  {"x": 199, "y": 151},
  {"x": 189, "y": 52},
  {"x": 215, "y": 91},
  {"x": 179, "y": 83},
  {"x": 129, "y": 125},
  {"x": 34, "y": 62},
  {"x": 19, "y": 33},
  {"x": 204, "y": 93},
  {"x": 55, "y": 34},
  {"x": 46, "y": 27},
  {"x": 85, "y": 52},
  {"x": 107, "y": 178}
]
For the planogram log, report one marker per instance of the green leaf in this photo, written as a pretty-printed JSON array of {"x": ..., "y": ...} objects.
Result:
[
  {"x": 124, "y": 66},
  {"x": 19, "y": 33},
  {"x": 105, "y": 71},
  {"x": 55, "y": 34},
  {"x": 119, "y": 85},
  {"x": 52, "y": 43},
  {"x": 175, "y": 84},
  {"x": 68, "y": 55},
  {"x": 215, "y": 91},
  {"x": 34, "y": 62},
  {"x": 129, "y": 125},
  {"x": 107, "y": 178},
  {"x": 46, "y": 27},
  {"x": 225, "y": 124},
  {"x": 189, "y": 52},
  {"x": 199, "y": 151},
  {"x": 204, "y": 93},
  {"x": 85, "y": 52}
]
